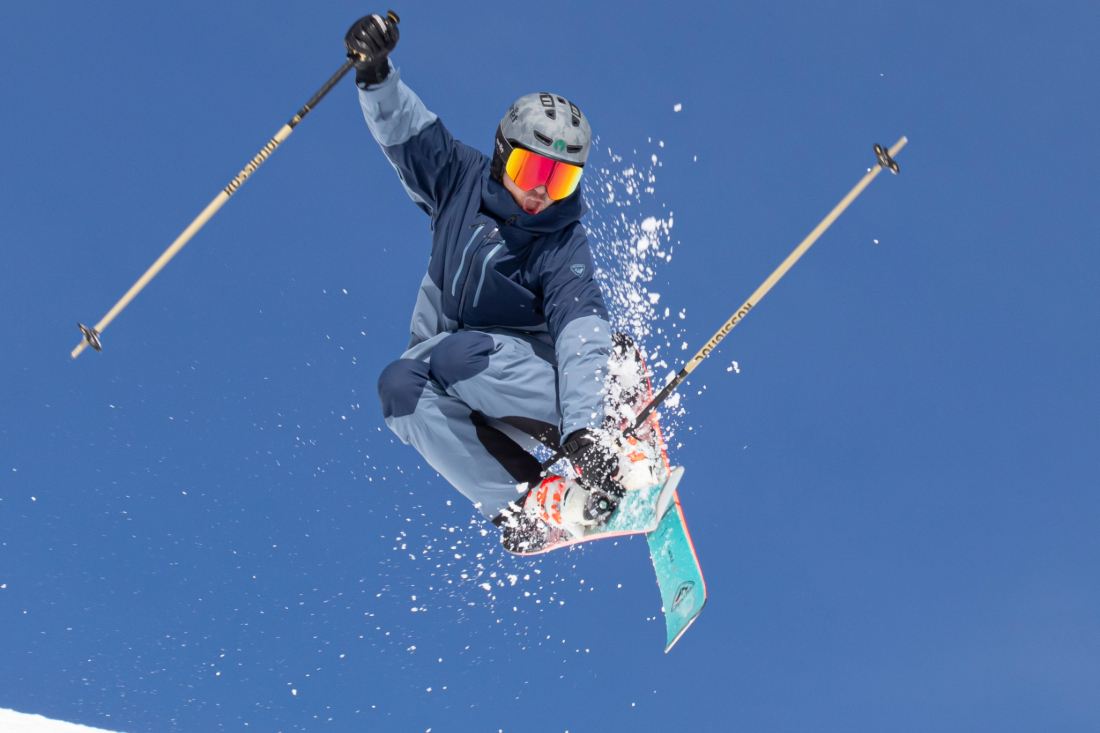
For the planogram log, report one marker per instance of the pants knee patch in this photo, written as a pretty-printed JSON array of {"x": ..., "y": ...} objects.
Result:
[
  {"x": 460, "y": 356},
  {"x": 400, "y": 386}
]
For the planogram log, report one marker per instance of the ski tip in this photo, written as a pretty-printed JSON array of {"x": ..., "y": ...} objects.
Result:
[{"x": 91, "y": 337}]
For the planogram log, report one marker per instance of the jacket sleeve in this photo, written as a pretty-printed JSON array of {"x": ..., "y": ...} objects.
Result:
[
  {"x": 429, "y": 162},
  {"x": 577, "y": 317}
]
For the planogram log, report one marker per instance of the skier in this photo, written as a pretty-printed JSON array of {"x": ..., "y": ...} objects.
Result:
[{"x": 510, "y": 333}]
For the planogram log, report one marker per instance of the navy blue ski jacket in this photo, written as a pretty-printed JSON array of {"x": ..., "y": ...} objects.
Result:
[{"x": 492, "y": 265}]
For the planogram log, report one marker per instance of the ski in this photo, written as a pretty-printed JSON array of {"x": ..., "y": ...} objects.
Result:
[
  {"x": 679, "y": 576},
  {"x": 638, "y": 512}
]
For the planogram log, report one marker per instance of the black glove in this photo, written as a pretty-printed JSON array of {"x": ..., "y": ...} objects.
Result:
[
  {"x": 597, "y": 463},
  {"x": 369, "y": 42}
]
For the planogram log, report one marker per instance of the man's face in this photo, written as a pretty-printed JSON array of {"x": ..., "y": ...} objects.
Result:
[{"x": 533, "y": 202}]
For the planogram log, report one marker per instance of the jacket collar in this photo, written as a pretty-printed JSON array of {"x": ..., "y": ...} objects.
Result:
[{"x": 497, "y": 202}]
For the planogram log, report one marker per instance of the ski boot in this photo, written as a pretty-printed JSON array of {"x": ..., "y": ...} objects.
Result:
[{"x": 557, "y": 511}]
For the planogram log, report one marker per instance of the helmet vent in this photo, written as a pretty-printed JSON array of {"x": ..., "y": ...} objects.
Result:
[
  {"x": 573, "y": 108},
  {"x": 576, "y": 122},
  {"x": 547, "y": 100},
  {"x": 542, "y": 138},
  {"x": 574, "y": 148},
  {"x": 552, "y": 114},
  {"x": 561, "y": 100}
]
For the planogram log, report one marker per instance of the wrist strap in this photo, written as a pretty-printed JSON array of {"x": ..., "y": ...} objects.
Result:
[{"x": 582, "y": 440}]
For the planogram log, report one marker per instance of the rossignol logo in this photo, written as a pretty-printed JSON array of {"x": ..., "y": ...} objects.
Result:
[
  {"x": 251, "y": 167},
  {"x": 559, "y": 145},
  {"x": 578, "y": 270},
  {"x": 722, "y": 333}
]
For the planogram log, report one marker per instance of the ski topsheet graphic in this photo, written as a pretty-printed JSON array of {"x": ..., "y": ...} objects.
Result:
[{"x": 683, "y": 591}]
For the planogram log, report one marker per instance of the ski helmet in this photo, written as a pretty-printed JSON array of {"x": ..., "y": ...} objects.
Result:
[{"x": 546, "y": 124}]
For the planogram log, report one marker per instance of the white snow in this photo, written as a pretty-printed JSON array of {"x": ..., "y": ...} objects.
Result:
[
  {"x": 677, "y": 107},
  {"x": 13, "y": 722}
]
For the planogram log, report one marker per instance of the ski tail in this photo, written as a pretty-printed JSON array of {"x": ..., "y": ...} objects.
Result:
[{"x": 679, "y": 576}]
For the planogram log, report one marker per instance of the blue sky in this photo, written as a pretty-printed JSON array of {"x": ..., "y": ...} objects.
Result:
[{"x": 894, "y": 499}]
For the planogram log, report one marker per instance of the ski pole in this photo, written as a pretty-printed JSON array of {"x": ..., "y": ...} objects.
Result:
[
  {"x": 91, "y": 335},
  {"x": 885, "y": 160}
]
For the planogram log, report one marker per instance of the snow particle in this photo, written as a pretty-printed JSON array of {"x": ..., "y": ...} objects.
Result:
[{"x": 677, "y": 107}]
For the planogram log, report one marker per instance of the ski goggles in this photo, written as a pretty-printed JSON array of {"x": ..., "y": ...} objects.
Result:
[{"x": 529, "y": 170}]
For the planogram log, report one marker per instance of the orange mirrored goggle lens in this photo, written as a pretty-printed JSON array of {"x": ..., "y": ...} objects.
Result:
[{"x": 529, "y": 170}]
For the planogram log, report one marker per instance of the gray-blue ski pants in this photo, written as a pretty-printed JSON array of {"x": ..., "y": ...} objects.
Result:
[{"x": 474, "y": 403}]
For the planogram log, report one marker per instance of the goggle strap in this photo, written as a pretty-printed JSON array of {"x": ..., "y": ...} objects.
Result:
[{"x": 502, "y": 150}]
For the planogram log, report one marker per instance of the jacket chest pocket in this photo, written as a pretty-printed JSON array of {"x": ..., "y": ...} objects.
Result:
[
  {"x": 485, "y": 266},
  {"x": 469, "y": 279},
  {"x": 462, "y": 260}
]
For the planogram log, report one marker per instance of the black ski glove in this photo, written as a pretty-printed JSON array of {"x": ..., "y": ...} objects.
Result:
[
  {"x": 597, "y": 463},
  {"x": 369, "y": 42}
]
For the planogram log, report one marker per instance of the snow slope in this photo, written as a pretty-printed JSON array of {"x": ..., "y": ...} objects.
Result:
[{"x": 13, "y": 722}]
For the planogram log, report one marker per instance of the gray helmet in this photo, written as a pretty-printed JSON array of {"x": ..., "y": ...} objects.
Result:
[{"x": 546, "y": 124}]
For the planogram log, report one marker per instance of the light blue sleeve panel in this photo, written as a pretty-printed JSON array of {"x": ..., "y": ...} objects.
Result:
[
  {"x": 582, "y": 349},
  {"x": 577, "y": 318},
  {"x": 394, "y": 115},
  {"x": 393, "y": 111},
  {"x": 431, "y": 164}
]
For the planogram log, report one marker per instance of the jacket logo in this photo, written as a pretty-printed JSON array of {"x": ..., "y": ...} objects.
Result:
[
  {"x": 578, "y": 270},
  {"x": 559, "y": 145}
]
